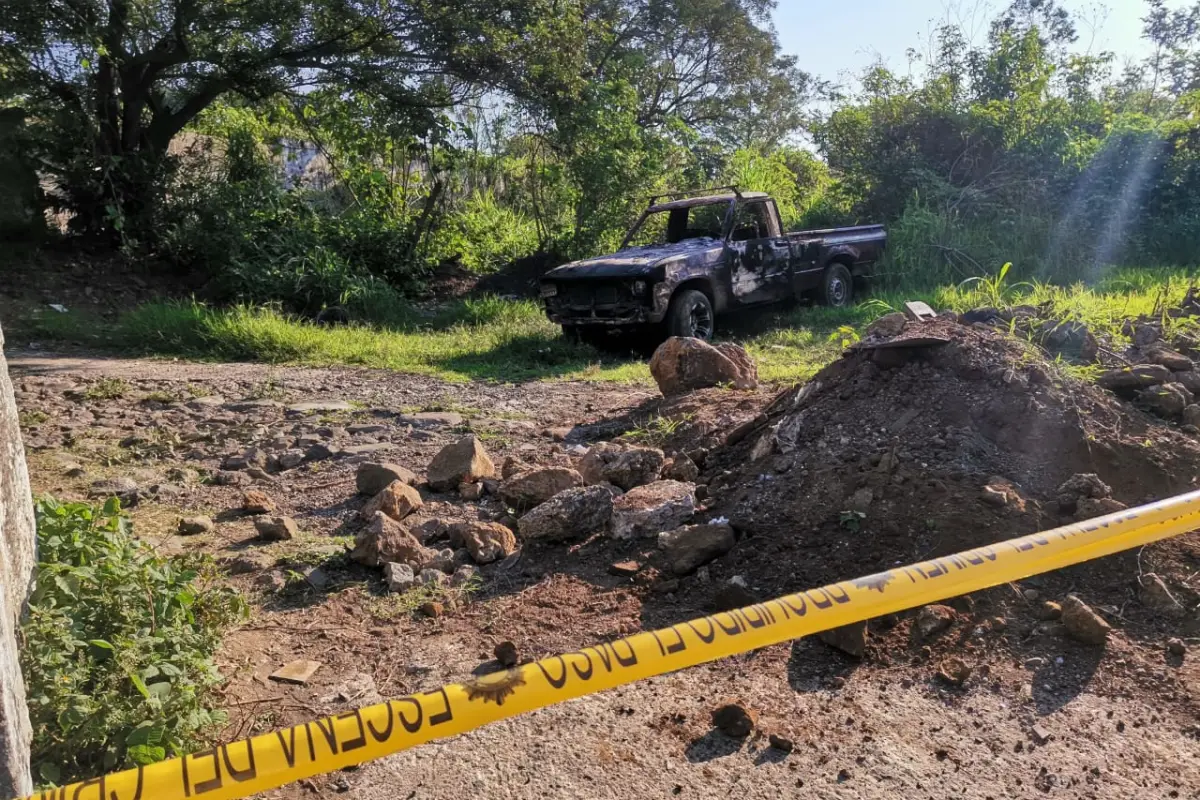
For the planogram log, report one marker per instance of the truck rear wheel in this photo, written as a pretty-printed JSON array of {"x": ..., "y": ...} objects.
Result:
[
  {"x": 690, "y": 315},
  {"x": 837, "y": 286}
]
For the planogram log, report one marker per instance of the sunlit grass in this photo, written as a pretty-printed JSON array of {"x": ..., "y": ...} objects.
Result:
[{"x": 511, "y": 340}]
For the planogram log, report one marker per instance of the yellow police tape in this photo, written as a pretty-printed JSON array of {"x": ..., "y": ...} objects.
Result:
[{"x": 242, "y": 768}]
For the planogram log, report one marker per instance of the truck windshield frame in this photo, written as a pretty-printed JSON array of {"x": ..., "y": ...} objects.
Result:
[{"x": 674, "y": 212}]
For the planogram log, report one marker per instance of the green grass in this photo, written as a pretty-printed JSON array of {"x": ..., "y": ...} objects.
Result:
[{"x": 511, "y": 340}]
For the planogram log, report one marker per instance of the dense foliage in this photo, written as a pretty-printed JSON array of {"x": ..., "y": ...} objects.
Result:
[
  {"x": 314, "y": 153},
  {"x": 117, "y": 647}
]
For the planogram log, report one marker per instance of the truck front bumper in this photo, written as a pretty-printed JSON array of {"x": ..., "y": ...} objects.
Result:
[{"x": 605, "y": 303}]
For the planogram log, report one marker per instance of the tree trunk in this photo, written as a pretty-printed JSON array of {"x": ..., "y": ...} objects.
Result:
[{"x": 17, "y": 557}]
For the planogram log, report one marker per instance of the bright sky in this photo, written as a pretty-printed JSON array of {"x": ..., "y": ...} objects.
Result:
[{"x": 835, "y": 39}]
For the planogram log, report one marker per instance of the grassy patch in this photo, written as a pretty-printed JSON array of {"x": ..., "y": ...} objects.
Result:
[
  {"x": 511, "y": 340},
  {"x": 397, "y": 604},
  {"x": 106, "y": 389}
]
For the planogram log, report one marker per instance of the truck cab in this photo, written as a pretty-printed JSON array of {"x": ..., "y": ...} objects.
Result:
[{"x": 691, "y": 258}]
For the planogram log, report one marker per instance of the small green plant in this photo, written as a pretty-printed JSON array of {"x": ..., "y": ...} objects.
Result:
[
  {"x": 195, "y": 391},
  {"x": 106, "y": 389},
  {"x": 845, "y": 336},
  {"x": 117, "y": 649},
  {"x": 266, "y": 389},
  {"x": 160, "y": 396},
  {"x": 31, "y": 419},
  {"x": 851, "y": 520},
  {"x": 656, "y": 430},
  {"x": 394, "y": 605},
  {"x": 995, "y": 290}
]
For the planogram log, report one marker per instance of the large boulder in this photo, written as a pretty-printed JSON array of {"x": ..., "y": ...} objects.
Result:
[
  {"x": 373, "y": 477},
  {"x": 397, "y": 500},
  {"x": 682, "y": 365},
  {"x": 386, "y": 540},
  {"x": 570, "y": 514},
  {"x": 465, "y": 461},
  {"x": 688, "y": 548},
  {"x": 621, "y": 465},
  {"x": 536, "y": 486},
  {"x": 485, "y": 541},
  {"x": 651, "y": 509}
]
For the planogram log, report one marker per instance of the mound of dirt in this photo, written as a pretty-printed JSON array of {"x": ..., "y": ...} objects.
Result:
[{"x": 935, "y": 437}]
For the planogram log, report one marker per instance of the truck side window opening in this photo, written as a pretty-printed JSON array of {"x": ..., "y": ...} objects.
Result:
[{"x": 751, "y": 223}]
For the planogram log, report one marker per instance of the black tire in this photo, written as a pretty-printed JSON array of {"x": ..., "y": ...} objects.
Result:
[
  {"x": 690, "y": 315},
  {"x": 837, "y": 287}
]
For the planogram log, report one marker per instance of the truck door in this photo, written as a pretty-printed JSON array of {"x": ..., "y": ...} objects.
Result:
[{"x": 760, "y": 255}]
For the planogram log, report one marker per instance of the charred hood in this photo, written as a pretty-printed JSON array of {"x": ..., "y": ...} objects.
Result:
[{"x": 632, "y": 262}]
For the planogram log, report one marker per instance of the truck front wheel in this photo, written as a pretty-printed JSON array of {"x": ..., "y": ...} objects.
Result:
[
  {"x": 690, "y": 315},
  {"x": 837, "y": 286}
]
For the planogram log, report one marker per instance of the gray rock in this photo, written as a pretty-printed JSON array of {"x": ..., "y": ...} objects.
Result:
[
  {"x": 887, "y": 326},
  {"x": 290, "y": 459},
  {"x": 191, "y": 526},
  {"x": 319, "y": 407},
  {"x": 399, "y": 577},
  {"x": 570, "y": 514},
  {"x": 372, "y": 477},
  {"x": 463, "y": 575},
  {"x": 123, "y": 488},
  {"x": 1168, "y": 400},
  {"x": 321, "y": 451},
  {"x": 365, "y": 428},
  {"x": 431, "y": 419},
  {"x": 1136, "y": 377},
  {"x": 932, "y": 620},
  {"x": 850, "y": 639},
  {"x": 276, "y": 529},
  {"x": 651, "y": 509},
  {"x": 693, "y": 546},
  {"x": 432, "y": 577},
  {"x": 626, "y": 466},
  {"x": 1191, "y": 415},
  {"x": 441, "y": 560},
  {"x": 229, "y": 478},
  {"x": 243, "y": 406}
]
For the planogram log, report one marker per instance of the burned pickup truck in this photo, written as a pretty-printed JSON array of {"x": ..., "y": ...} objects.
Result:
[{"x": 692, "y": 256}]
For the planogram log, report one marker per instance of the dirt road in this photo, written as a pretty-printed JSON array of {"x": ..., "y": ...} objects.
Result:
[{"x": 1040, "y": 716}]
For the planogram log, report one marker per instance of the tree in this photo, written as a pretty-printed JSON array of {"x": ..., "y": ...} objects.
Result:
[{"x": 113, "y": 81}]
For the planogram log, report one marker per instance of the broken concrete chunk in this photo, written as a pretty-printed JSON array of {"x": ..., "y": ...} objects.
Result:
[
  {"x": 568, "y": 515},
  {"x": 275, "y": 529},
  {"x": 651, "y": 509},
  {"x": 485, "y": 541},
  {"x": 622, "y": 465},
  {"x": 387, "y": 540}
]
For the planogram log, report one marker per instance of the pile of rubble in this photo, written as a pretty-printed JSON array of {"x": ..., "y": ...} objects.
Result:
[{"x": 935, "y": 434}]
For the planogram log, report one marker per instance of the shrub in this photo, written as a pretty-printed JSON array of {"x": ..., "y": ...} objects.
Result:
[{"x": 118, "y": 645}]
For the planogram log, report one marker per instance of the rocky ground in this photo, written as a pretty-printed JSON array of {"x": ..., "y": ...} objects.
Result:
[{"x": 530, "y": 514}]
